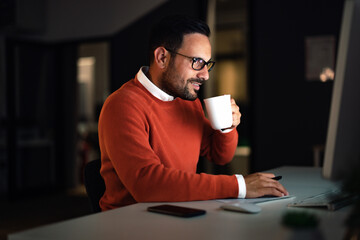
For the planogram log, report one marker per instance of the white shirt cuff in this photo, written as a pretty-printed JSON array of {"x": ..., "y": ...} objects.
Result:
[
  {"x": 226, "y": 130},
  {"x": 242, "y": 186}
]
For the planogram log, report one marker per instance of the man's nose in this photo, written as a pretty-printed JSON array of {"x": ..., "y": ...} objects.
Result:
[{"x": 203, "y": 73}]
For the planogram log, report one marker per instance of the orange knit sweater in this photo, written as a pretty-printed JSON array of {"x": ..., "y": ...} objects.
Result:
[{"x": 150, "y": 149}]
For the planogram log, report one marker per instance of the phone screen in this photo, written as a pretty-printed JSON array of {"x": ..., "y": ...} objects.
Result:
[{"x": 176, "y": 210}]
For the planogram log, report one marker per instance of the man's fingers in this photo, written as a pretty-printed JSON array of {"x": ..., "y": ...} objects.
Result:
[
  {"x": 273, "y": 184},
  {"x": 261, "y": 184},
  {"x": 264, "y": 174}
]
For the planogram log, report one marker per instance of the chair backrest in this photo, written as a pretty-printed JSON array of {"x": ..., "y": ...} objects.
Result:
[{"x": 94, "y": 184}]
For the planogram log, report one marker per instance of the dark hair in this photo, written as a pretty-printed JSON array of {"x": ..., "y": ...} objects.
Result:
[{"x": 169, "y": 32}]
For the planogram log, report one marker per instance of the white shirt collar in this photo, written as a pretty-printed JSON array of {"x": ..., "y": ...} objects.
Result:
[{"x": 151, "y": 87}]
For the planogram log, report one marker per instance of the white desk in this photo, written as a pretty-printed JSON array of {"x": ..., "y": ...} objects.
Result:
[{"x": 134, "y": 222}]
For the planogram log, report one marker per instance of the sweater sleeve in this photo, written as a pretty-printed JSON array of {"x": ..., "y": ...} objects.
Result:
[{"x": 130, "y": 163}]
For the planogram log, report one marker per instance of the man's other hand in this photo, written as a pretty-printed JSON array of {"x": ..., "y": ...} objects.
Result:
[{"x": 261, "y": 184}]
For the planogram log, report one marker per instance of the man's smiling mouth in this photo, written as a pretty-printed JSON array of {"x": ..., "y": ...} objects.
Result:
[{"x": 196, "y": 84}]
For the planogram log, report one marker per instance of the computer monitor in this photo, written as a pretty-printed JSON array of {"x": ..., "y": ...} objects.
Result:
[{"x": 342, "y": 148}]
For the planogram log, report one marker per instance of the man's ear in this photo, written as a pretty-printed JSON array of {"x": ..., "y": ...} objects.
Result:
[{"x": 161, "y": 57}]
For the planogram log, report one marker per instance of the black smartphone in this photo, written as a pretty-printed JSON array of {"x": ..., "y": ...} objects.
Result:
[{"x": 176, "y": 210}]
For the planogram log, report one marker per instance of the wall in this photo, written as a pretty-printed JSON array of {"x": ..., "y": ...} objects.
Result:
[
  {"x": 289, "y": 114},
  {"x": 65, "y": 20}
]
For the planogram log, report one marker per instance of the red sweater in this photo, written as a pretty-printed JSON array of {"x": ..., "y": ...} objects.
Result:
[{"x": 150, "y": 149}]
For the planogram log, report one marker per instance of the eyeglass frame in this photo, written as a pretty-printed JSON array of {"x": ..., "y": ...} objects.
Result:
[{"x": 195, "y": 59}]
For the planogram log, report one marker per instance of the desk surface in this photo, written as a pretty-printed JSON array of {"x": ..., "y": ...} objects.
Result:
[{"x": 134, "y": 222}]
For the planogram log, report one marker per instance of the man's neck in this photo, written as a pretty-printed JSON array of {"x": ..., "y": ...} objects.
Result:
[{"x": 146, "y": 79}]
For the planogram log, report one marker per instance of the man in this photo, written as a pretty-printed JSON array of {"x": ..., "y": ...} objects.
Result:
[{"x": 153, "y": 129}]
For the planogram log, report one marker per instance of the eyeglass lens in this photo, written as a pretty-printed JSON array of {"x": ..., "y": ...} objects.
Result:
[{"x": 199, "y": 64}]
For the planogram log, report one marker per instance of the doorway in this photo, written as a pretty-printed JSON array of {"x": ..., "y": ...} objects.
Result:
[{"x": 93, "y": 89}]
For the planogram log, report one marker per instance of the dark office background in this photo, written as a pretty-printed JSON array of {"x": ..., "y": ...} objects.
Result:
[{"x": 287, "y": 115}]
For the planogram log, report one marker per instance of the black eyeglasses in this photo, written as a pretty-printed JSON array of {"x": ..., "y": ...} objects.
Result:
[{"x": 197, "y": 63}]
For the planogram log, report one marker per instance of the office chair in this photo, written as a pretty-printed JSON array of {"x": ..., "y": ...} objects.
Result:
[{"x": 94, "y": 184}]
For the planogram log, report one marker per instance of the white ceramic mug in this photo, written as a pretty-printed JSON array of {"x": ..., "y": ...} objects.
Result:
[{"x": 219, "y": 111}]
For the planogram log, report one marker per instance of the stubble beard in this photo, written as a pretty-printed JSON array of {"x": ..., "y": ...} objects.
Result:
[{"x": 172, "y": 84}]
